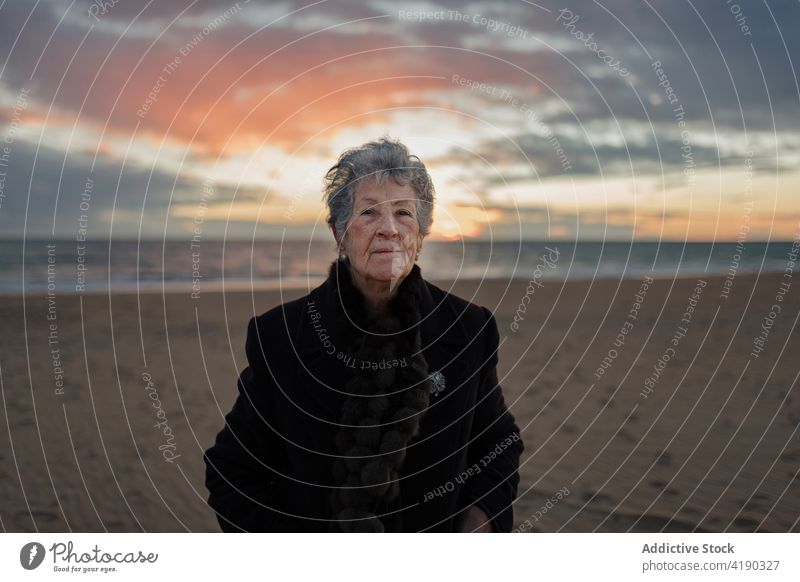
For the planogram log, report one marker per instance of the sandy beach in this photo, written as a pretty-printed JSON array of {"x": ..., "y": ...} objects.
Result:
[{"x": 663, "y": 406}]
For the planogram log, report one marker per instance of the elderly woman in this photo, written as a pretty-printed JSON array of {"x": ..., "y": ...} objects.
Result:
[{"x": 370, "y": 404}]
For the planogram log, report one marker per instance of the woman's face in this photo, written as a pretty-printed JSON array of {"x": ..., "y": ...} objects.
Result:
[{"x": 382, "y": 235}]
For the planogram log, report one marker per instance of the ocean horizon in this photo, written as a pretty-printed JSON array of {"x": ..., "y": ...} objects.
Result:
[{"x": 70, "y": 266}]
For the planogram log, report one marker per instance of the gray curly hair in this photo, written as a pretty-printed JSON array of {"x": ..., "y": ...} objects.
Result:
[{"x": 380, "y": 160}]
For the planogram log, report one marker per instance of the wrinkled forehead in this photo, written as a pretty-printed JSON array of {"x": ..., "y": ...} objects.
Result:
[{"x": 369, "y": 192}]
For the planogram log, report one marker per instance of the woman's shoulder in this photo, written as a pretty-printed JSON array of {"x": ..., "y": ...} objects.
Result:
[
  {"x": 279, "y": 320},
  {"x": 472, "y": 315},
  {"x": 281, "y": 324}
]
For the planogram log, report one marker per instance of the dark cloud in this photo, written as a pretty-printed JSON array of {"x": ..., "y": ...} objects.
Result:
[
  {"x": 42, "y": 198},
  {"x": 711, "y": 64}
]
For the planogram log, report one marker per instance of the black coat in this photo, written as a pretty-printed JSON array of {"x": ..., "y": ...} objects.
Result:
[{"x": 270, "y": 467}]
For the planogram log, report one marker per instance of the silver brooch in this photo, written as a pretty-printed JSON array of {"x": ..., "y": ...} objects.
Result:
[{"x": 437, "y": 383}]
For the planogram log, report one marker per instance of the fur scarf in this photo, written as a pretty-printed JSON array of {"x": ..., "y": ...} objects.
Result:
[{"x": 384, "y": 401}]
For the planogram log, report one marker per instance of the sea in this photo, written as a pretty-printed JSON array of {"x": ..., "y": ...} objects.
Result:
[{"x": 69, "y": 266}]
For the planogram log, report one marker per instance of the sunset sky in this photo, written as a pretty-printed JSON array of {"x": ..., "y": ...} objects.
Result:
[{"x": 611, "y": 120}]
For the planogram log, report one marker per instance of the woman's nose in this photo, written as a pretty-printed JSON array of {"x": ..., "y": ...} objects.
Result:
[{"x": 387, "y": 226}]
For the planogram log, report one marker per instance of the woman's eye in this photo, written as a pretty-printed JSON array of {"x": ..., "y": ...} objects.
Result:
[
  {"x": 367, "y": 211},
  {"x": 405, "y": 212}
]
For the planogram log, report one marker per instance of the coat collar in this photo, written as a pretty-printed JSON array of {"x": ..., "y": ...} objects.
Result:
[{"x": 440, "y": 323}]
